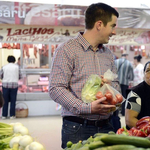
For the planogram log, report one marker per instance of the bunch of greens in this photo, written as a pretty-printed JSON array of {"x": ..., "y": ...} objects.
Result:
[{"x": 90, "y": 88}]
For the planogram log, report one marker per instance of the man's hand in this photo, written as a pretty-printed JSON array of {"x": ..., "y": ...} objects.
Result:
[{"x": 98, "y": 108}]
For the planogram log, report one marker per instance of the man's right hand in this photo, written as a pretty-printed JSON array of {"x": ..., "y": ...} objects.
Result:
[{"x": 98, "y": 108}]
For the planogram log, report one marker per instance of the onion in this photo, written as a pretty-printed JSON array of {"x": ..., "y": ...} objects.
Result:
[
  {"x": 18, "y": 123},
  {"x": 36, "y": 146},
  {"x": 14, "y": 140},
  {"x": 27, "y": 147},
  {"x": 17, "y": 127},
  {"x": 25, "y": 140},
  {"x": 24, "y": 131},
  {"x": 21, "y": 129}
]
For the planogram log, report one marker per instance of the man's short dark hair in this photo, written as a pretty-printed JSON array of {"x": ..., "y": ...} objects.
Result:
[
  {"x": 11, "y": 59},
  {"x": 99, "y": 11}
]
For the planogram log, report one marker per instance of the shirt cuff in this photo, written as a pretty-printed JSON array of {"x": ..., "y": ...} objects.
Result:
[{"x": 86, "y": 108}]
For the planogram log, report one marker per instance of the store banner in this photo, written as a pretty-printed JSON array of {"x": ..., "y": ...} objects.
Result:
[
  {"x": 55, "y": 34},
  {"x": 42, "y": 34},
  {"x": 65, "y": 15}
]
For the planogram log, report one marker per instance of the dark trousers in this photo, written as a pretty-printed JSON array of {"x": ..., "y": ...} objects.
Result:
[
  {"x": 123, "y": 91},
  {"x": 9, "y": 95},
  {"x": 72, "y": 131},
  {"x": 115, "y": 121}
]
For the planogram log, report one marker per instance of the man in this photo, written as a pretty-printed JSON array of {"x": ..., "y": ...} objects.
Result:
[
  {"x": 73, "y": 62},
  {"x": 125, "y": 74},
  {"x": 10, "y": 74}
]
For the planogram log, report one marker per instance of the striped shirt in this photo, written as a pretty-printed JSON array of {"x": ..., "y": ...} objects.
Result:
[
  {"x": 125, "y": 72},
  {"x": 73, "y": 62}
]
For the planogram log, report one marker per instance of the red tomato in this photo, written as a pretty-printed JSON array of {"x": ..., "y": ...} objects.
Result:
[
  {"x": 108, "y": 96},
  {"x": 99, "y": 95},
  {"x": 105, "y": 102},
  {"x": 119, "y": 98},
  {"x": 113, "y": 101}
]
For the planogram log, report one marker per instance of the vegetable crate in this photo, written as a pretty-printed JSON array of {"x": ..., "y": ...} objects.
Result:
[{"x": 21, "y": 110}]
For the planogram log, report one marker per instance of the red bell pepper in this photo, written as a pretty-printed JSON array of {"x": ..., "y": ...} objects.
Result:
[
  {"x": 145, "y": 119},
  {"x": 142, "y": 125},
  {"x": 137, "y": 132},
  {"x": 123, "y": 131},
  {"x": 146, "y": 129}
]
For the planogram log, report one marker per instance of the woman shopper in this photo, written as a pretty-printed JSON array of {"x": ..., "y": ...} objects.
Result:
[
  {"x": 138, "y": 100},
  {"x": 138, "y": 70},
  {"x": 10, "y": 74}
]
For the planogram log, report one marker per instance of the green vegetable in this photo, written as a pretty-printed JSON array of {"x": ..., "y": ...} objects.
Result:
[
  {"x": 129, "y": 140},
  {"x": 90, "y": 88},
  {"x": 77, "y": 146},
  {"x": 117, "y": 147},
  {"x": 69, "y": 144},
  {"x": 96, "y": 144}
]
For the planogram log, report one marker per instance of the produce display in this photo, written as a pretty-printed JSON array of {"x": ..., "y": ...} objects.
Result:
[
  {"x": 142, "y": 128},
  {"x": 15, "y": 136},
  {"x": 137, "y": 138},
  {"x": 110, "y": 141}
]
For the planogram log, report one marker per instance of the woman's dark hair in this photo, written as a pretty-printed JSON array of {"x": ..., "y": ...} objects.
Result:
[
  {"x": 11, "y": 59},
  {"x": 99, "y": 11},
  {"x": 138, "y": 58},
  {"x": 146, "y": 65}
]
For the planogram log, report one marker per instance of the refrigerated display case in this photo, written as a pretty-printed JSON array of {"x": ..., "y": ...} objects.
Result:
[
  {"x": 34, "y": 85},
  {"x": 35, "y": 69}
]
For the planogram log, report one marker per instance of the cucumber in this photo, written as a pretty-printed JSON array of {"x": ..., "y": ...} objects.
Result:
[
  {"x": 84, "y": 148},
  {"x": 97, "y": 138},
  {"x": 89, "y": 140},
  {"x": 111, "y": 132},
  {"x": 117, "y": 147},
  {"x": 122, "y": 139},
  {"x": 77, "y": 146},
  {"x": 96, "y": 144},
  {"x": 99, "y": 134}
]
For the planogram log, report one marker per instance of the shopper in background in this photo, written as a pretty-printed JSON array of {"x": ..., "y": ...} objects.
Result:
[
  {"x": 125, "y": 74},
  {"x": 1, "y": 100},
  {"x": 138, "y": 100},
  {"x": 73, "y": 63},
  {"x": 10, "y": 74},
  {"x": 138, "y": 70},
  {"x": 18, "y": 62}
]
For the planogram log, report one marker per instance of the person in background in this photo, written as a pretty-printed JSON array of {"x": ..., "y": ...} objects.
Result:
[
  {"x": 10, "y": 74},
  {"x": 125, "y": 74},
  {"x": 138, "y": 70},
  {"x": 73, "y": 62},
  {"x": 138, "y": 100},
  {"x": 1, "y": 100},
  {"x": 18, "y": 62}
]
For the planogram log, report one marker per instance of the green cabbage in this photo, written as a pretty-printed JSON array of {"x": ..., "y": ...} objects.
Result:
[{"x": 91, "y": 87}]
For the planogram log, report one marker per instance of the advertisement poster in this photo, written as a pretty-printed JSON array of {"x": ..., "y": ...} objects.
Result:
[{"x": 65, "y": 15}]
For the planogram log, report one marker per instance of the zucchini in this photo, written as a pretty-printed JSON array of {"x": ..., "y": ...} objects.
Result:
[
  {"x": 122, "y": 139},
  {"x": 99, "y": 134},
  {"x": 117, "y": 147},
  {"x": 96, "y": 144},
  {"x": 97, "y": 138},
  {"x": 77, "y": 146}
]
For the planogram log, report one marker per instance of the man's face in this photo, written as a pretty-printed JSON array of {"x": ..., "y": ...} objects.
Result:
[{"x": 108, "y": 30}]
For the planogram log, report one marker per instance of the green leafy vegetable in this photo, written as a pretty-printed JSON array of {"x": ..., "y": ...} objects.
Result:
[{"x": 90, "y": 88}]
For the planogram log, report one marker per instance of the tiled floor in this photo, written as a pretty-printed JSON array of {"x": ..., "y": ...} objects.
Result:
[{"x": 46, "y": 129}]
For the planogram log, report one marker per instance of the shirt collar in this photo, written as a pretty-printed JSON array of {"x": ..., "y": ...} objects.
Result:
[{"x": 86, "y": 45}]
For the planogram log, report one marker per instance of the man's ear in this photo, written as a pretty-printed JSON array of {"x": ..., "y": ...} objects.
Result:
[{"x": 98, "y": 25}]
